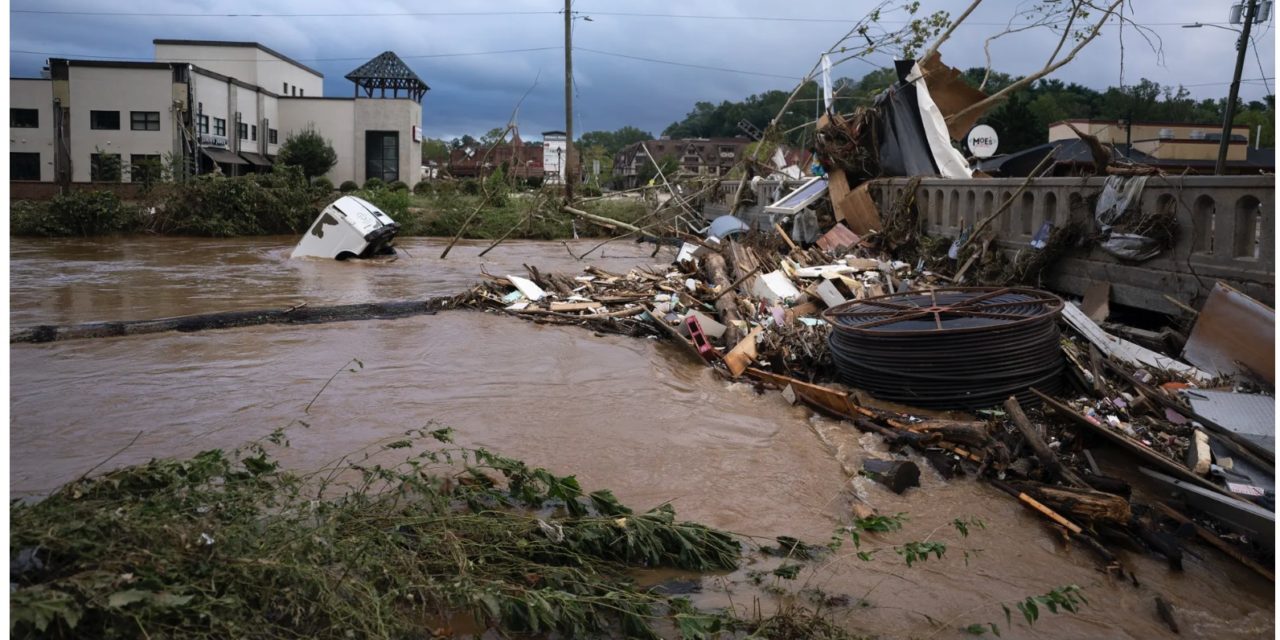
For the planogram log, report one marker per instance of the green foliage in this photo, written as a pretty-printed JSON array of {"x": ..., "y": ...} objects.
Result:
[
  {"x": 229, "y": 545},
  {"x": 470, "y": 186},
  {"x": 422, "y": 188},
  {"x": 348, "y": 186},
  {"x": 1068, "y": 598},
  {"x": 398, "y": 185},
  {"x": 434, "y": 149},
  {"x": 308, "y": 150},
  {"x": 394, "y": 202},
  {"x": 374, "y": 183},
  {"x": 611, "y": 142},
  {"x": 76, "y": 213},
  {"x": 874, "y": 524},
  {"x": 280, "y": 202},
  {"x": 322, "y": 184},
  {"x": 915, "y": 551}
]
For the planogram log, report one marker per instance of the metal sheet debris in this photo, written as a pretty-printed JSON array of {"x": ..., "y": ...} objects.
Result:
[
  {"x": 1233, "y": 328},
  {"x": 1252, "y": 416},
  {"x": 1123, "y": 349}
]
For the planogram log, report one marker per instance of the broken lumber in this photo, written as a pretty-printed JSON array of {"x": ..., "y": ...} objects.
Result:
[
  {"x": 1082, "y": 504},
  {"x": 1048, "y": 459}
]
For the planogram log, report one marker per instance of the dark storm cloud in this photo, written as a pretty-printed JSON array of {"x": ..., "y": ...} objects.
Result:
[{"x": 472, "y": 94}]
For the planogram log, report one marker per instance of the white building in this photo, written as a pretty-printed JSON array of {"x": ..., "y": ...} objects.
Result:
[
  {"x": 554, "y": 161},
  {"x": 208, "y": 106}
]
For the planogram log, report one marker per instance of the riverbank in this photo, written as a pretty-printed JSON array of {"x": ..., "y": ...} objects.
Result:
[{"x": 283, "y": 203}]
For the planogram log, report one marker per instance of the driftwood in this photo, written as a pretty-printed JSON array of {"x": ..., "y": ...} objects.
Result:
[
  {"x": 230, "y": 319},
  {"x": 898, "y": 475},
  {"x": 1082, "y": 504},
  {"x": 969, "y": 432},
  {"x": 727, "y": 305},
  {"x": 1047, "y": 457}
]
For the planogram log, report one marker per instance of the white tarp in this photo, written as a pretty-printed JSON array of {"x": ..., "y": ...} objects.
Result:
[{"x": 951, "y": 163}]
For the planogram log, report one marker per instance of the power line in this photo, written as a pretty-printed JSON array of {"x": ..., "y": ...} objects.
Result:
[
  {"x": 365, "y": 14},
  {"x": 445, "y": 14},
  {"x": 685, "y": 64},
  {"x": 152, "y": 59}
]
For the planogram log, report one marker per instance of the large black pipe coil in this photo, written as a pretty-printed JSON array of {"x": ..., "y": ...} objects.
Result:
[{"x": 950, "y": 348}]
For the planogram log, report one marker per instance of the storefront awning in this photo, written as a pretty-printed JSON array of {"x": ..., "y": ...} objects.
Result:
[
  {"x": 255, "y": 158},
  {"x": 223, "y": 156}
]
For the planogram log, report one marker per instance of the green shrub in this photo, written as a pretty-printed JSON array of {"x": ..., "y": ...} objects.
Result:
[
  {"x": 348, "y": 186},
  {"x": 267, "y": 203},
  {"x": 398, "y": 185},
  {"x": 77, "y": 213},
  {"x": 470, "y": 187},
  {"x": 590, "y": 190},
  {"x": 374, "y": 183},
  {"x": 422, "y": 188},
  {"x": 323, "y": 183}
]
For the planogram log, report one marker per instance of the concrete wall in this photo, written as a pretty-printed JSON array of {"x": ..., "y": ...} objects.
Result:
[
  {"x": 1226, "y": 230},
  {"x": 269, "y": 111},
  {"x": 124, "y": 90},
  {"x": 34, "y": 94},
  {"x": 389, "y": 114},
  {"x": 335, "y": 120},
  {"x": 213, "y": 95},
  {"x": 246, "y": 104},
  {"x": 248, "y": 64}
]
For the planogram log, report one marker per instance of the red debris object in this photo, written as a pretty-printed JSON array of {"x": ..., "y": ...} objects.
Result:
[{"x": 699, "y": 338}]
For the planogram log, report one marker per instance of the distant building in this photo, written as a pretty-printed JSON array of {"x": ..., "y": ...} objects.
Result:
[
  {"x": 208, "y": 106},
  {"x": 517, "y": 158},
  {"x": 702, "y": 156}
]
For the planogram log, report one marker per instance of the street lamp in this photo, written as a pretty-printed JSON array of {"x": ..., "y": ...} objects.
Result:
[{"x": 1250, "y": 9}]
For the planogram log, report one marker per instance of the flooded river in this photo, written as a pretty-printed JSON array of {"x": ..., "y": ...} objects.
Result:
[{"x": 626, "y": 414}]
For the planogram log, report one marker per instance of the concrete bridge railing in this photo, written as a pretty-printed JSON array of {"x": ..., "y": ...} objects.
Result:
[{"x": 1226, "y": 230}]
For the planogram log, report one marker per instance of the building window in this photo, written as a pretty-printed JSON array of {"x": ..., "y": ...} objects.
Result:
[
  {"x": 253, "y": 132},
  {"x": 302, "y": 92},
  {"x": 104, "y": 167},
  {"x": 286, "y": 89},
  {"x": 144, "y": 168},
  {"x": 24, "y": 119},
  {"x": 24, "y": 166},
  {"x": 104, "y": 120},
  {"x": 295, "y": 90},
  {"x": 219, "y": 126},
  {"x": 271, "y": 136},
  {"x": 144, "y": 120},
  {"x": 202, "y": 123},
  {"x": 242, "y": 130}
]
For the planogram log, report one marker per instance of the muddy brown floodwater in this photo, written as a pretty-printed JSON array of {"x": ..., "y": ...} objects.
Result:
[{"x": 626, "y": 414}]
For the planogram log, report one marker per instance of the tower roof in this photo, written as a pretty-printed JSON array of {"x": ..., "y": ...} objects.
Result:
[{"x": 388, "y": 71}]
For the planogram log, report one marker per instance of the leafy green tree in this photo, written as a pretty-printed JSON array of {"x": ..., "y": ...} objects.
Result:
[
  {"x": 613, "y": 141},
  {"x": 434, "y": 149},
  {"x": 309, "y": 151}
]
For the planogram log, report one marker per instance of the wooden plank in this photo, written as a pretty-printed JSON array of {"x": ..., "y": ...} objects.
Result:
[{"x": 575, "y": 306}]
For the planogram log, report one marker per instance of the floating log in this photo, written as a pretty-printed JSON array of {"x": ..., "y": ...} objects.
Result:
[
  {"x": 898, "y": 475},
  {"x": 1082, "y": 504},
  {"x": 301, "y": 314},
  {"x": 969, "y": 432},
  {"x": 1165, "y": 611}
]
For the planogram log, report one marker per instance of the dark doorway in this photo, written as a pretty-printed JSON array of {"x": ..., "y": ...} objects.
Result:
[{"x": 382, "y": 155}]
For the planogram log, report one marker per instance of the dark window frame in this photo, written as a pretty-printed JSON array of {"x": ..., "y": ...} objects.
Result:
[
  {"x": 24, "y": 123},
  {"x": 273, "y": 136},
  {"x": 220, "y": 127},
  {"x": 242, "y": 130},
  {"x": 202, "y": 124},
  {"x": 253, "y": 132},
  {"x": 26, "y": 157},
  {"x": 144, "y": 120},
  {"x": 96, "y": 120}
]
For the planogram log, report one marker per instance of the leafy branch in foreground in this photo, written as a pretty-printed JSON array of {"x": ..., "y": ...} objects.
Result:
[
  {"x": 227, "y": 544},
  {"x": 1068, "y": 598}
]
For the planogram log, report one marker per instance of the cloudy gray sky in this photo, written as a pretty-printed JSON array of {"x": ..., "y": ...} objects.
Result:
[{"x": 770, "y": 41}]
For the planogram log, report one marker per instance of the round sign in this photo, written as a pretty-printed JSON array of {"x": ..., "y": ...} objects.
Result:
[{"x": 982, "y": 141}]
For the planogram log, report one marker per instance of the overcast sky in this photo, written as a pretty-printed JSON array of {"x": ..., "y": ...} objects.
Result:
[{"x": 474, "y": 93}]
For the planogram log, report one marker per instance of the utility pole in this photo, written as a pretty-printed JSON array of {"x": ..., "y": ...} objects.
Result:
[
  {"x": 567, "y": 164},
  {"x": 1250, "y": 10}
]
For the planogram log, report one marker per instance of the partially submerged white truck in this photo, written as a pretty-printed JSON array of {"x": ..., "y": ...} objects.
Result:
[{"x": 349, "y": 228}]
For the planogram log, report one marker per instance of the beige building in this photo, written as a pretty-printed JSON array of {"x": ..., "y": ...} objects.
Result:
[
  {"x": 208, "y": 106},
  {"x": 1161, "y": 140}
]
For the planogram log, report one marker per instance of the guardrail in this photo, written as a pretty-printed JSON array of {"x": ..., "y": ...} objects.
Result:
[{"x": 1226, "y": 230}]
